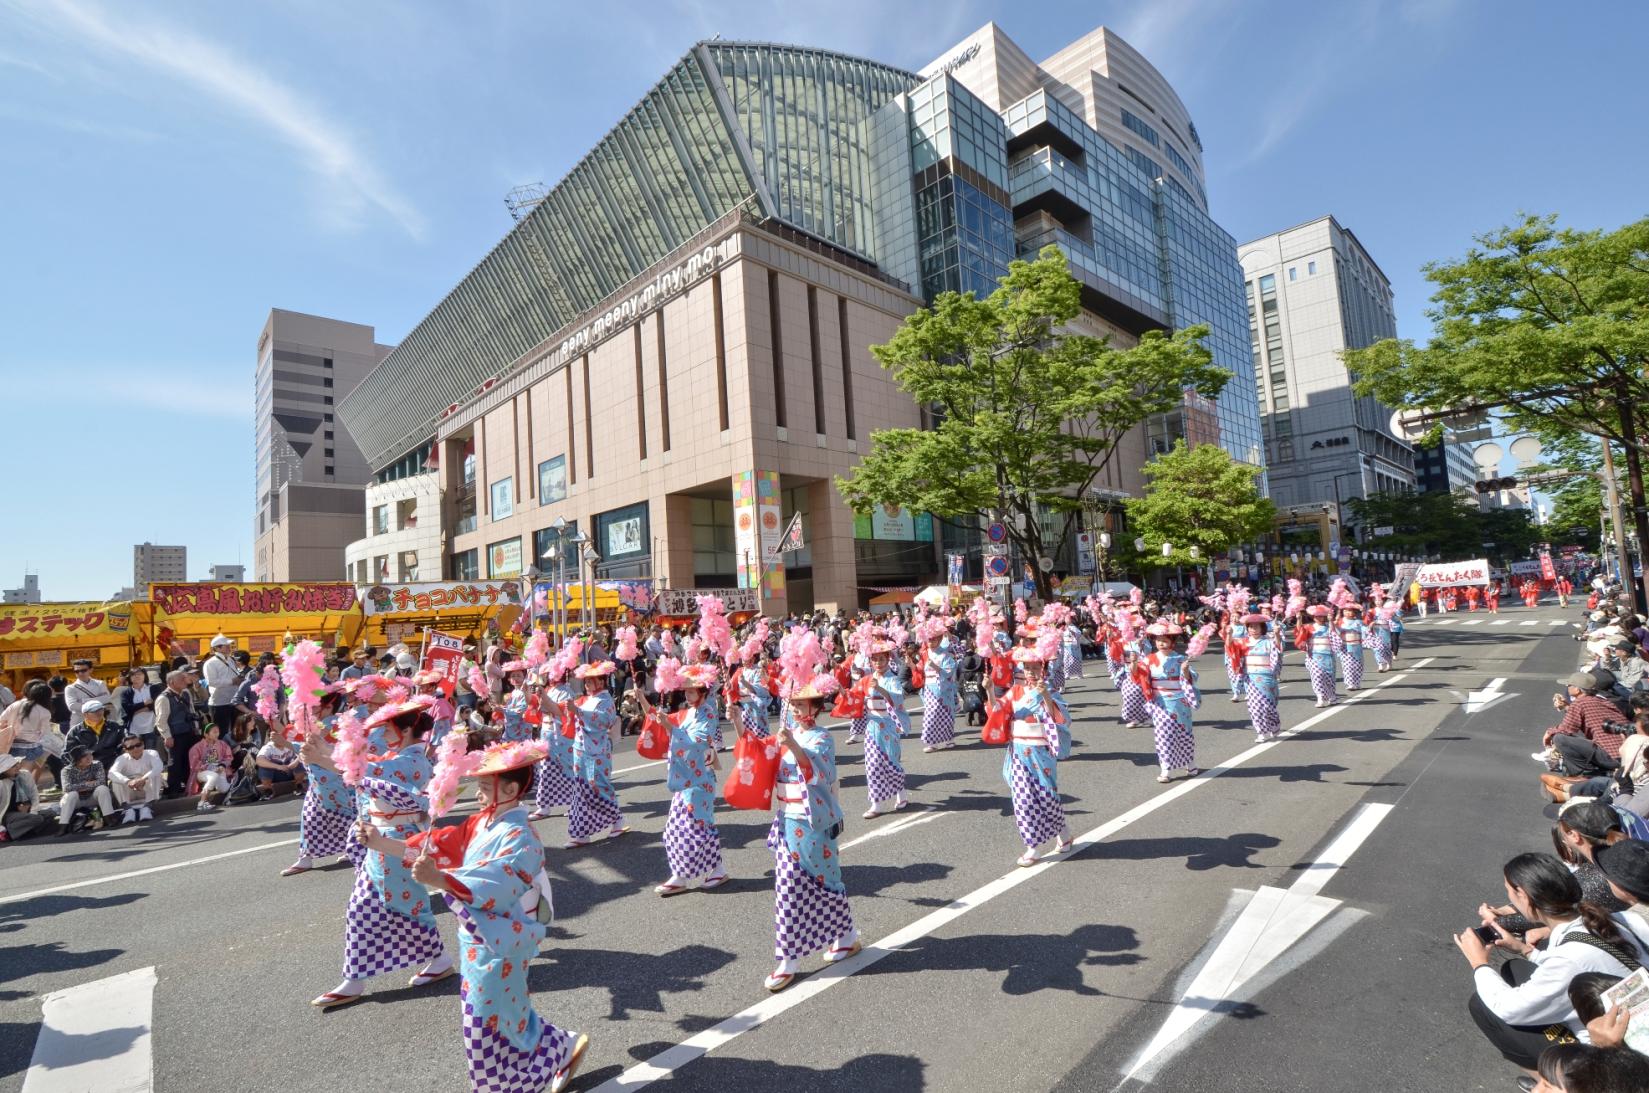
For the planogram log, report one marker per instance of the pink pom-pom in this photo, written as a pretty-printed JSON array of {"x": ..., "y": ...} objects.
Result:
[
  {"x": 267, "y": 688},
  {"x": 303, "y": 670},
  {"x": 397, "y": 694},
  {"x": 1198, "y": 645},
  {"x": 751, "y": 651},
  {"x": 478, "y": 683},
  {"x": 669, "y": 677},
  {"x": 1296, "y": 604},
  {"x": 1136, "y": 596},
  {"x": 453, "y": 762},
  {"x": 668, "y": 641},
  {"x": 537, "y": 650},
  {"x": 714, "y": 630},
  {"x": 626, "y": 649},
  {"x": 350, "y": 752},
  {"x": 896, "y": 633},
  {"x": 1277, "y": 604},
  {"x": 1295, "y": 588},
  {"x": 1047, "y": 644},
  {"x": 1020, "y": 612}
]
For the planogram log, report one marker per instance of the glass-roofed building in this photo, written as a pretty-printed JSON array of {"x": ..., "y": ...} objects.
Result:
[{"x": 670, "y": 353}]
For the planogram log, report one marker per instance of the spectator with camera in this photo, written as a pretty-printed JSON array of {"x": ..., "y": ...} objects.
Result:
[
  {"x": 1587, "y": 740},
  {"x": 1523, "y": 1006}
]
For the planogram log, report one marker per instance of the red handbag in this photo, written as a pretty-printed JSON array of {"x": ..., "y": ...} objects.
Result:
[
  {"x": 755, "y": 772},
  {"x": 918, "y": 677},
  {"x": 535, "y": 713},
  {"x": 569, "y": 724},
  {"x": 654, "y": 741},
  {"x": 1001, "y": 672},
  {"x": 998, "y": 726}
]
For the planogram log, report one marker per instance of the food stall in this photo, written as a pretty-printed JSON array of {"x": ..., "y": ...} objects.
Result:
[
  {"x": 39, "y": 640},
  {"x": 464, "y": 609},
  {"x": 260, "y": 618}
]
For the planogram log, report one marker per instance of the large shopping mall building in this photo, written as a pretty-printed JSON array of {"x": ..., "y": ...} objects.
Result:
[{"x": 671, "y": 352}]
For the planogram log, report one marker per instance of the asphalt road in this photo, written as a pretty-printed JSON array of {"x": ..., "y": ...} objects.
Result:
[{"x": 977, "y": 975}]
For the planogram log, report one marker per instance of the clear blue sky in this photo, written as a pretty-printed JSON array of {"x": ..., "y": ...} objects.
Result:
[{"x": 173, "y": 170}]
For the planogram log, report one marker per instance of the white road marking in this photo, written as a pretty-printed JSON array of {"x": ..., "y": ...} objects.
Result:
[
  {"x": 1473, "y": 622},
  {"x": 1527, "y": 622},
  {"x": 96, "y": 1037},
  {"x": 1478, "y": 701},
  {"x": 922, "y": 816},
  {"x": 1273, "y": 921},
  {"x": 1500, "y": 622},
  {"x": 673, "y": 1058},
  {"x": 146, "y": 872}
]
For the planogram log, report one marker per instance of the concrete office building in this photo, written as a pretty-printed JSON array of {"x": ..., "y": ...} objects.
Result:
[
  {"x": 1444, "y": 467},
  {"x": 235, "y": 573},
  {"x": 158, "y": 564},
  {"x": 1312, "y": 292},
  {"x": 28, "y": 592},
  {"x": 671, "y": 351},
  {"x": 310, "y": 474}
]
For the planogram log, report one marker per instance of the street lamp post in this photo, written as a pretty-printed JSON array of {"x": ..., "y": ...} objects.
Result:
[{"x": 559, "y": 553}]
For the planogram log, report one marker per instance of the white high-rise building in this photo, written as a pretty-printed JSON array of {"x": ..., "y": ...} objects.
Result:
[
  {"x": 235, "y": 573},
  {"x": 28, "y": 593},
  {"x": 1313, "y": 291}
]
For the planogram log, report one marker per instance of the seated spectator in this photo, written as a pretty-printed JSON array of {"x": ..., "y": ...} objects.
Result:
[
  {"x": 84, "y": 784},
  {"x": 1585, "y": 739},
  {"x": 25, "y": 726},
  {"x": 96, "y": 733},
  {"x": 1524, "y": 1006},
  {"x": 136, "y": 778},
  {"x": 209, "y": 763},
  {"x": 20, "y": 814},
  {"x": 278, "y": 762},
  {"x": 1626, "y": 661},
  {"x": 1579, "y": 1068}
]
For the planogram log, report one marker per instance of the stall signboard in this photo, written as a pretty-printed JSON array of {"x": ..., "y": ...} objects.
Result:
[
  {"x": 34, "y": 621},
  {"x": 46, "y": 658},
  {"x": 1528, "y": 568},
  {"x": 679, "y": 602},
  {"x": 429, "y": 597},
  {"x": 272, "y": 600},
  {"x": 1454, "y": 574}
]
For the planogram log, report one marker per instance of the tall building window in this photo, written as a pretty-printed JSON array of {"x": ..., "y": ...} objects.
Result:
[{"x": 1129, "y": 121}]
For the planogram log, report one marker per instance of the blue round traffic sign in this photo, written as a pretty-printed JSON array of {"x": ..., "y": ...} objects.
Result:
[
  {"x": 997, "y": 532},
  {"x": 997, "y": 566}
]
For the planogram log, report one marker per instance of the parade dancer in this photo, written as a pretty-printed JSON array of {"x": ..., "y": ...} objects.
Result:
[
  {"x": 939, "y": 696},
  {"x": 754, "y": 697},
  {"x": 1040, "y": 738},
  {"x": 698, "y": 656},
  {"x": 515, "y": 707},
  {"x": 595, "y": 801},
  {"x": 428, "y": 682},
  {"x": 328, "y": 804},
  {"x": 490, "y": 871},
  {"x": 389, "y": 923},
  {"x": 554, "y": 783},
  {"x": 1115, "y": 662},
  {"x": 1320, "y": 641},
  {"x": 884, "y": 701},
  {"x": 1071, "y": 647},
  {"x": 810, "y": 907},
  {"x": 1379, "y": 635},
  {"x": 692, "y": 842},
  {"x": 1133, "y": 712},
  {"x": 1351, "y": 630},
  {"x": 1169, "y": 685},
  {"x": 1261, "y": 660},
  {"x": 1234, "y": 673}
]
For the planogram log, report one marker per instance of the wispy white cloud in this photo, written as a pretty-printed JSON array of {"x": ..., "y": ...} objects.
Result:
[{"x": 352, "y": 184}]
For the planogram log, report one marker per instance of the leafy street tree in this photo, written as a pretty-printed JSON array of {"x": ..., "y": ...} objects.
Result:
[
  {"x": 1448, "y": 525},
  {"x": 1549, "y": 326},
  {"x": 1199, "y": 497},
  {"x": 1025, "y": 412}
]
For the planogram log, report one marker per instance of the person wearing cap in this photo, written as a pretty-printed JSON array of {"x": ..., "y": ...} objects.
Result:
[
  {"x": 1625, "y": 866},
  {"x": 360, "y": 663},
  {"x": 554, "y": 782},
  {"x": 1259, "y": 659},
  {"x": 811, "y": 912},
  {"x": 96, "y": 733},
  {"x": 884, "y": 705},
  {"x": 1321, "y": 641},
  {"x": 390, "y": 922},
  {"x": 84, "y": 783},
  {"x": 692, "y": 842},
  {"x": 1584, "y": 738},
  {"x": 1169, "y": 684},
  {"x": 938, "y": 695},
  {"x": 490, "y": 872},
  {"x": 1040, "y": 738},
  {"x": 329, "y": 805},
  {"x": 223, "y": 677},
  {"x": 595, "y": 800},
  {"x": 1351, "y": 630}
]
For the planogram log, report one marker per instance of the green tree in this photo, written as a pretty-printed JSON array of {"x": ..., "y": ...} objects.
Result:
[
  {"x": 1423, "y": 524},
  {"x": 1198, "y": 497},
  {"x": 1549, "y": 325},
  {"x": 1026, "y": 413},
  {"x": 1577, "y": 502}
]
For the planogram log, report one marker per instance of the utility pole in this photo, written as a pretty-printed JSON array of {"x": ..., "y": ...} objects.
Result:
[{"x": 1611, "y": 498}]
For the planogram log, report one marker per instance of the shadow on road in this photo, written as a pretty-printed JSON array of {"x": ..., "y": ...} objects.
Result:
[
  {"x": 633, "y": 981},
  {"x": 1031, "y": 962},
  {"x": 724, "y": 1072},
  {"x": 1200, "y": 853}
]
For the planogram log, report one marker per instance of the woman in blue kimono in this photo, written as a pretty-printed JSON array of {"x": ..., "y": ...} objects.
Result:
[
  {"x": 1169, "y": 684},
  {"x": 692, "y": 842},
  {"x": 328, "y": 804},
  {"x": 701, "y": 658},
  {"x": 1040, "y": 739},
  {"x": 390, "y": 923},
  {"x": 1261, "y": 661},
  {"x": 1351, "y": 629},
  {"x": 515, "y": 706},
  {"x": 810, "y": 907},
  {"x": 1322, "y": 642},
  {"x": 884, "y": 710},
  {"x": 595, "y": 801},
  {"x": 754, "y": 698},
  {"x": 490, "y": 871},
  {"x": 939, "y": 696},
  {"x": 1071, "y": 649},
  {"x": 1379, "y": 638},
  {"x": 1133, "y": 711},
  {"x": 554, "y": 782}
]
